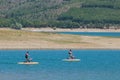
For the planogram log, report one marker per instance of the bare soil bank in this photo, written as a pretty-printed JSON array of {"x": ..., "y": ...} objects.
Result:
[{"x": 20, "y": 39}]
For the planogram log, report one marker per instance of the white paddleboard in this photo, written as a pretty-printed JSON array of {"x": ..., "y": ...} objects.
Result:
[
  {"x": 28, "y": 62},
  {"x": 71, "y": 60}
]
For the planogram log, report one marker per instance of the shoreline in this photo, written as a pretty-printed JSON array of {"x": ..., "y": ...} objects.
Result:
[
  {"x": 69, "y": 30},
  {"x": 29, "y": 39},
  {"x": 48, "y": 29},
  {"x": 60, "y": 48}
]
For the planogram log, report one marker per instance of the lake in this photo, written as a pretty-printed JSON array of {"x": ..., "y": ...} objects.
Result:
[
  {"x": 94, "y": 65},
  {"x": 107, "y": 34}
]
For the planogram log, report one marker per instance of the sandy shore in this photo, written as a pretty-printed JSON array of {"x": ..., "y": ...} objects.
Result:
[
  {"x": 70, "y": 30},
  {"x": 28, "y": 39},
  {"x": 65, "y": 30}
]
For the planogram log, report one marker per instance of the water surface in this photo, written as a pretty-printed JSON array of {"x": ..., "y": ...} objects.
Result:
[
  {"x": 94, "y": 65},
  {"x": 107, "y": 34}
]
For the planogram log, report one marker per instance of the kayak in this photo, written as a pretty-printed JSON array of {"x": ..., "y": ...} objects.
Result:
[
  {"x": 71, "y": 60},
  {"x": 28, "y": 62}
]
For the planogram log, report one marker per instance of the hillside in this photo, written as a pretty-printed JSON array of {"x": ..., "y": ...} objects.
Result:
[
  {"x": 60, "y": 13},
  {"x": 94, "y": 14}
]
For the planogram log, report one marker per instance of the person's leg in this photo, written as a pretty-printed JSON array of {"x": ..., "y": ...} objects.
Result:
[
  {"x": 27, "y": 60},
  {"x": 72, "y": 57}
]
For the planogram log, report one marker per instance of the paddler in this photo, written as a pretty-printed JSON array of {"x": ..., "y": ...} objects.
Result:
[
  {"x": 27, "y": 56},
  {"x": 70, "y": 54}
]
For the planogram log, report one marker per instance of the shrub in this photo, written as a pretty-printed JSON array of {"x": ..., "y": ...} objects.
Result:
[{"x": 17, "y": 26}]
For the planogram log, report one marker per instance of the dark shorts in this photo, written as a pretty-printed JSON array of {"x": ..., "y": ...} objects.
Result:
[{"x": 26, "y": 56}]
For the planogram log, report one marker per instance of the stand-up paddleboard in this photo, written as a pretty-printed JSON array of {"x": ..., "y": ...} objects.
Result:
[
  {"x": 71, "y": 60},
  {"x": 28, "y": 62}
]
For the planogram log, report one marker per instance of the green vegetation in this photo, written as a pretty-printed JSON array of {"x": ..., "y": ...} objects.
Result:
[
  {"x": 94, "y": 14},
  {"x": 60, "y": 13},
  {"x": 115, "y": 4},
  {"x": 92, "y": 17}
]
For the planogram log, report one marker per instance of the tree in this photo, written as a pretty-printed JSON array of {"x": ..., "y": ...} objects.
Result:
[{"x": 16, "y": 25}]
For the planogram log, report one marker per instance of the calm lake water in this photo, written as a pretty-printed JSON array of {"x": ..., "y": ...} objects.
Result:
[
  {"x": 108, "y": 34},
  {"x": 94, "y": 65}
]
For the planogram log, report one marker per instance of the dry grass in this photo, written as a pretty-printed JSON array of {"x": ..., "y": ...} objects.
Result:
[{"x": 17, "y": 39}]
